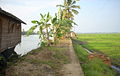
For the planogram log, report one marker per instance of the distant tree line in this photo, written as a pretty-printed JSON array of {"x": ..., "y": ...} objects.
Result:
[{"x": 25, "y": 33}]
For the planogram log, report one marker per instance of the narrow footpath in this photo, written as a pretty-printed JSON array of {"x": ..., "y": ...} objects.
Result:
[{"x": 73, "y": 68}]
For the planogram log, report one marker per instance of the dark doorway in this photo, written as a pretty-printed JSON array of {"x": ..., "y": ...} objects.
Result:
[{"x": 0, "y": 32}]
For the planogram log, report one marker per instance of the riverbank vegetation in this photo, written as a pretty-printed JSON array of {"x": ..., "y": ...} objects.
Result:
[
  {"x": 94, "y": 67},
  {"x": 53, "y": 28}
]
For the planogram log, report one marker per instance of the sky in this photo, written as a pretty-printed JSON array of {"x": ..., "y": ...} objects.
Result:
[{"x": 94, "y": 15}]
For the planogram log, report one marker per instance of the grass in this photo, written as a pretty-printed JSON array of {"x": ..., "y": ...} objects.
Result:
[
  {"x": 94, "y": 67},
  {"x": 109, "y": 44},
  {"x": 43, "y": 61}
]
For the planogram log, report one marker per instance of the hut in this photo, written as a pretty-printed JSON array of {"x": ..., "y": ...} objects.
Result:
[
  {"x": 10, "y": 32},
  {"x": 72, "y": 34}
]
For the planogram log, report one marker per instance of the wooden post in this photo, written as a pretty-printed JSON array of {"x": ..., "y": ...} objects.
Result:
[{"x": 0, "y": 33}]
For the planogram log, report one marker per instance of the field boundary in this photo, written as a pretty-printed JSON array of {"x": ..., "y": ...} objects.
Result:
[{"x": 73, "y": 68}]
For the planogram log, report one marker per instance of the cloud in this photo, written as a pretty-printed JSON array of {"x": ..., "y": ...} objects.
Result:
[
  {"x": 28, "y": 10},
  {"x": 27, "y": 7}
]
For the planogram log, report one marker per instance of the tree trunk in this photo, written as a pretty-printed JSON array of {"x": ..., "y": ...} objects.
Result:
[{"x": 48, "y": 41}]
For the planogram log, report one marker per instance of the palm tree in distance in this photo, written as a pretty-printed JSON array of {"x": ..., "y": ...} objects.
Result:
[{"x": 69, "y": 9}]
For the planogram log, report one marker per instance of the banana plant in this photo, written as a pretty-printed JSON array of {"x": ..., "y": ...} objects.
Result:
[
  {"x": 43, "y": 24},
  {"x": 60, "y": 27}
]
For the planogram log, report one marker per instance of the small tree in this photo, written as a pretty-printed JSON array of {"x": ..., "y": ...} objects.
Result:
[{"x": 44, "y": 28}]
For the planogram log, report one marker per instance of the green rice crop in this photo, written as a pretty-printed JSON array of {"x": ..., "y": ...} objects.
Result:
[
  {"x": 94, "y": 67},
  {"x": 109, "y": 44}
]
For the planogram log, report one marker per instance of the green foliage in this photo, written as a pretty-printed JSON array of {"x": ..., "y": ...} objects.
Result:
[
  {"x": 106, "y": 43},
  {"x": 94, "y": 67},
  {"x": 31, "y": 30},
  {"x": 60, "y": 26},
  {"x": 43, "y": 24},
  {"x": 43, "y": 44},
  {"x": 69, "y": 9},
  {"x": 74, "y": 6},
  {"x": 57, "y": 26},
  {"x": 97, "y": 68},
  {"x": 75, "y": 12}
]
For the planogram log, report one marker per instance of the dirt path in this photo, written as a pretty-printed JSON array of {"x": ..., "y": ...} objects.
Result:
[{"x": 73, "y": 68}]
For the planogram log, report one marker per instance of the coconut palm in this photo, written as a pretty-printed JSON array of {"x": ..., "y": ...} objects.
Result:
[{"x": 69, "y": 9}]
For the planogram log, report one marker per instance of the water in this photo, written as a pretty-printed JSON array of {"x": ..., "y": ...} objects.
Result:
[
  {"x": 116, "y": 68},
  {"x": 88, "y": 51},
  {"x": 27, "y": 44},
  {"x": 112, "y": 66}
]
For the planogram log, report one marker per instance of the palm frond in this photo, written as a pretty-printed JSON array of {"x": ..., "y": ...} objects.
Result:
[
  {"x": 65, "y": 3},
  {"x": 45, "y": 15},
  {"x": 48, "y": 15},
  {"x": 73, "y": 2},
  {"x": 41, "y": 15},
  {"x": 77, "y": 0},
  {"x": 60, "y": 6},
  {"x": 75, "y": 11},
  {"x": 69, "y": 2},
  {"x": 36, "y": 22},
  {"x": 74, "y": 6},
  {"x": 54, "y": 20}
]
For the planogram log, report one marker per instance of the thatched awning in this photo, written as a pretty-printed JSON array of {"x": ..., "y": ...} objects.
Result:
[{"x": 2, "y": 12}]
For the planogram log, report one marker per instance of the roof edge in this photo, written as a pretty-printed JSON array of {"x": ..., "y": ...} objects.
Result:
[{"x": 11, "y": 15}]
